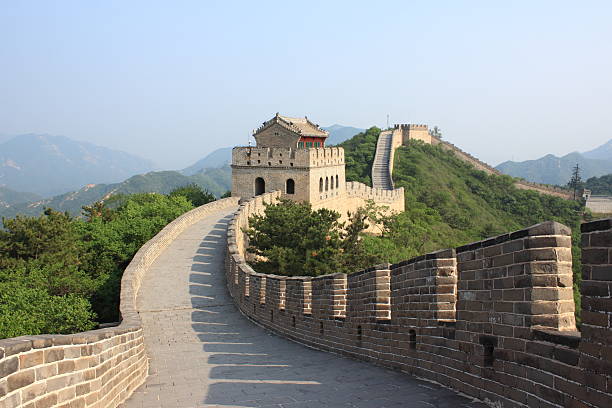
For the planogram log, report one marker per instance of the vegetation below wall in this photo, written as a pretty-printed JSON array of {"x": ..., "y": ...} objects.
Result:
[
  {"x": 359, "y": 154},
  {"x": 600, "y": 185},
  {"x": 60, "y": 274},
  {"x": 449, "y": 203},
  {"x": 293, "y": 240}
]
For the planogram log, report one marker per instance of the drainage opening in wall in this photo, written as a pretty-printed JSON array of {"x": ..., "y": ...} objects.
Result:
[
  {"x": 254, "y": 308},
  {"x": 293, "y": 321},
  {"x": 488, "y": 343},
  {"x": 359, "y": 336},
  {"x": 271, "y": 315},
  {"x": 412, "y": 339},
  {"x": 320, "y": 327}
]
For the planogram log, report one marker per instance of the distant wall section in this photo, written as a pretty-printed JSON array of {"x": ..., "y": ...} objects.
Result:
[{"x": 420, "y": 132}]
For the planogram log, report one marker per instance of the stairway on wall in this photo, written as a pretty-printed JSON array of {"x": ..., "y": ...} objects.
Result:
[{"x": 381, "y": 174}]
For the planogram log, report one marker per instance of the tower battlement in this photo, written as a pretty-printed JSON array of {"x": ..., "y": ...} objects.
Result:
[
  {"x": 409, "y": 131},
  {"x": 410, "y": 126},
  {"x": 274, "y": 157},
  {"x": 290, "y": 157}
]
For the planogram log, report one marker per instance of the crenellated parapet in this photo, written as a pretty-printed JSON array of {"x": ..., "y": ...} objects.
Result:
[
  {"x": 493, "y": 319},
  {"x": 379, "y": 195},
  {"x": 282, "y": 157}
]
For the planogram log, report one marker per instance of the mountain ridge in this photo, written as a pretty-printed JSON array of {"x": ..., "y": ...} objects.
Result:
[
  {"x": 551, "y": 169},
  {"x": 216, "y": 181},
  {"x": 49, "y": 164}
]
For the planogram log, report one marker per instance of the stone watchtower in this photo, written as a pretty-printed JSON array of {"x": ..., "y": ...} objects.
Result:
[{"x": 290, "y": 156}]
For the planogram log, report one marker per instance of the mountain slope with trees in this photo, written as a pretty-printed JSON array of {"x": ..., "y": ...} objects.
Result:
[
  {"x": 10, "y": 197},
  {"x": 216, "y": 181},
  {"x": 600, "y": 185},
  {"x": 458, "y": 203}
]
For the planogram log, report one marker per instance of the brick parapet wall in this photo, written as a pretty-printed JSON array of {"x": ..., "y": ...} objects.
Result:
[
  {"x": 492, "y": 319},
  {"x": 380, "y": 195},
  {"x": 596, "y": 344},
  {"x": 98, "y": 368}
]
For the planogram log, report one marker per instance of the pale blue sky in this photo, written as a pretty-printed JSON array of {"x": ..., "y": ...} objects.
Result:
[{"x": 172, "y": 81}]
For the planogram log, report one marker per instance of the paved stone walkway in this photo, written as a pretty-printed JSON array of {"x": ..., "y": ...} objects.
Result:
[
  {"x": 204, "y": 353},
  {"x": 380, "y": 166}
]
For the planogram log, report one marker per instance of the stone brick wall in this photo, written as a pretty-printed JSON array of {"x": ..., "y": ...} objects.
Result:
[
  {"x": 98, "y": 368},
  {"x": 493, "y": 319}
]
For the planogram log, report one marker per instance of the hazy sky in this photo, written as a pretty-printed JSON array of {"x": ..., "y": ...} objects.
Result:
[{"x": 173, "y": 80}]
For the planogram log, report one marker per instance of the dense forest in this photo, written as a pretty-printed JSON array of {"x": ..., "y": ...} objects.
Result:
[{"x": 61, "y": 274}]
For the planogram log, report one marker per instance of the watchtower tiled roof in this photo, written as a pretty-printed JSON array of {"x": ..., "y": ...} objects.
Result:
[{"x": 301, "y": 126}]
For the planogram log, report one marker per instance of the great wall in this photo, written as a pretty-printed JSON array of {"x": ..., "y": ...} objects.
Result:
[
  {"x": 493, "y": 320},
  {"x": 401, "y": 134}
]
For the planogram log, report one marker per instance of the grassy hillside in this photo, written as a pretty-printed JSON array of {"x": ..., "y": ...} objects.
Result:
[
  {"x": 359, "y": 155},
  {"x": 471, "y": 204},
  {"x": 216, "y": 181},
  {"x": 467, "y": 204},
  {"x": 449, "y": 203}
]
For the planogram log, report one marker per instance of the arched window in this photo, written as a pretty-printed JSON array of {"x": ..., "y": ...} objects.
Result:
[
  {"x": 321, "y": 184},
  {"x": 337, "y": 185},
  {"x": 290, "y": 187},
  {"x": 326, "y": 183},
  {"x": 260, "y": 186},
  {"x": 331, "y": 185}
]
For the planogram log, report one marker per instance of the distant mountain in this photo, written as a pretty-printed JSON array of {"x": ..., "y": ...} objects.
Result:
[
  {"x": 10, "y": 197},
  {"x": 217, "y": 181},
  {"x": 218, "y": 158},
  {"x": 603, "y": 152},
  {"x": 49, "y": 165},
  {"x": 339, "y": 133},
  {"x": 551, "y": 169}
]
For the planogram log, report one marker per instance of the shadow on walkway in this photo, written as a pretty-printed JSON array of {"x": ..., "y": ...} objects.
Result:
[{"x": 250, "y": 367}]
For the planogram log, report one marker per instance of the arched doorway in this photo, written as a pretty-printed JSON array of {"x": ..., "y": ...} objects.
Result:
[
  {"x": 290, "y": 187},
  {"x": 260, "y": 186}
]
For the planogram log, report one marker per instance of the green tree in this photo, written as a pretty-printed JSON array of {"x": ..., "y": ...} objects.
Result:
[
  {"x": 575, "y": 182},
  {"x": 291, "y": 239},
  {"x": 436, "y": 132},
  {"x": 50, "y": 235},
  {"x": 194, "y": 193},
  {"x": 29, "y": 311}
]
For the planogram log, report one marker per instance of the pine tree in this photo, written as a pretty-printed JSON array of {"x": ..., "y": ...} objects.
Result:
[
  {"x": 576, "y": 181},
  {"x": 436, "y": 132}
]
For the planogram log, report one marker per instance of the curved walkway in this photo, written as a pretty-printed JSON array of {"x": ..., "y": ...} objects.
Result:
[{"x": 204, "y": 353}]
